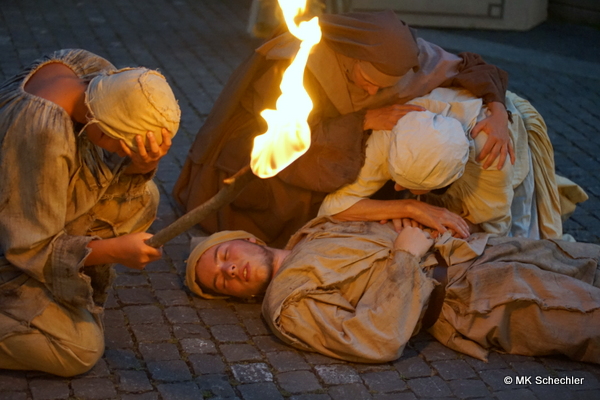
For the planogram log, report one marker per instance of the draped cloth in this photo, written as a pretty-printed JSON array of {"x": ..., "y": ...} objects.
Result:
[{"x": 273, "y": 209}]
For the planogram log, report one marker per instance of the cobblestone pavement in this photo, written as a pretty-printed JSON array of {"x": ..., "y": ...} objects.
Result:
[{"x": 162, "y": 343}]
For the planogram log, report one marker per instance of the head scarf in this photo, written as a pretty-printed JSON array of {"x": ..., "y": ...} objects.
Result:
[
  {"x": 199, "y": 246},
  {"x": 428, "y": 151},
  {"x": 130, "y": 102},
  {"x": 379, "y": 38}
]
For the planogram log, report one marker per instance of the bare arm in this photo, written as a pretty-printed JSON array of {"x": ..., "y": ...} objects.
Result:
[{"x": 436, "y": 218}]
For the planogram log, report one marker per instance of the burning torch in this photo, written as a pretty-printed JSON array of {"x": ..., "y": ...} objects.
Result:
[{"x": 287, "y": 136}]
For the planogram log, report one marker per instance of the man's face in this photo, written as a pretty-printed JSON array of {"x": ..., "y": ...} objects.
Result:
[
  {"x": 236, "y": 268},
  {"x": 363, "y": 81}
]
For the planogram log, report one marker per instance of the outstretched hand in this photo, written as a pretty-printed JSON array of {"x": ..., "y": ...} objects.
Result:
[
  {"x": 148, "y": 155},
  {"x": 498, "y": 144},
  {"x": 385, "y": 118}
]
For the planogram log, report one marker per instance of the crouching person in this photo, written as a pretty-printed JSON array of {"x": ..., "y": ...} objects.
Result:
[
  {"x": 81, "y": 141},
  {"x": 359, "y": 291}
]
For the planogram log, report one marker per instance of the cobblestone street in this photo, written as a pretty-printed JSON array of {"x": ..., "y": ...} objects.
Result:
[{"x": 162, "y": 343}]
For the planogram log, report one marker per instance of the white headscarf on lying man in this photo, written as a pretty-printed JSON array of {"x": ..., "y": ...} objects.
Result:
[
  {"x": 132, "y": 101},
  {"x": 428, "y": 151}
]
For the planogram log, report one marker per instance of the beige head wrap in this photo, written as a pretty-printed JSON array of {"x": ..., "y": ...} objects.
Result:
[
  {"x": 428, "y": 151},
  {"x": 133, "y": 101},
  {"x": 199, "y": 246}
]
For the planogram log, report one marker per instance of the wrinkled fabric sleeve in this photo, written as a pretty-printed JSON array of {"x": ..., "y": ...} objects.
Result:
[
  {"x": 482, "y": 196},
  {"x": 373, "y": 175},
  {"x": 484, "y": 80},
  {"x": 373, "y": 327},
  {"x": 36, "y": 191}
]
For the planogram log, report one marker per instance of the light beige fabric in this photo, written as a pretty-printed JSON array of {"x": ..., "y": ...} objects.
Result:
[
  {"x": 481, "y": 196},
  {"x": 199, "y": 245},
  {"x": 528, "y": 297},
  {"x": 345, "y": 293},
  {"x": 61, "y": 341},
  {"x": 131, "y": 102}
]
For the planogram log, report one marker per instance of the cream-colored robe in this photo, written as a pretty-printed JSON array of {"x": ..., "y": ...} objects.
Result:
[
  {"x": 345, "y": 293},
  {"x": 482, "y": 196}
]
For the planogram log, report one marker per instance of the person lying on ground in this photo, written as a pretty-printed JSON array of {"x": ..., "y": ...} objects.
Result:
[{"x": 358, "y": 291}]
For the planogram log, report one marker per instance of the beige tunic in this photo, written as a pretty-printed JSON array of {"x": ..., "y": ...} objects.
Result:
[
  {"x": 58, "y": 192},
  {"x": 345, "y": 293}
]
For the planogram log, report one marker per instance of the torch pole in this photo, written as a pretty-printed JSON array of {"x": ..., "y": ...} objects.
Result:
[{"x": 233, "y": 186}]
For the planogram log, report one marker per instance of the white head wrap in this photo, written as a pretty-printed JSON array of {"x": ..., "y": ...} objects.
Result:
[
  {"x": 428, "y": 151},
  {"x": 133, "y": 101}
]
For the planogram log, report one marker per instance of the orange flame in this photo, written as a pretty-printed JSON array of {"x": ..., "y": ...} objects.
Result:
[{"x": 288, "y": 133}]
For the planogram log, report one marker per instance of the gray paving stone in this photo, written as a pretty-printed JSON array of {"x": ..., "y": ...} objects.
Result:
[
  {"x": 454, "y": 369},
  {"x": 260, "y": 391},
  {"x": 12, "y": 381},
  {"x": 131, "y": 280},
  {"x": 93, "y": 388},
  {"x": 580, "y": 380},
  {"x": 207, "y": 364},
  {"x": 247, "y": 311},
  {"x": 553, "y": 392},
  {"x": 412, "y": 368},
  {"x": 517, "y": 394},
  {"x": 494, "y": 362},
  {"x": 270, "y": 343},
  {"x": 135, "y": 296},
  {"x": 133, "y": 381},
  {"x": 121, "y": 359},
  {"x": 256, "y": 326},
  {"x": 240, "y": 352},
  {"x": 49, "y": 389},
  {"x": 287, "y": 361},
  {"x": 311, "y": 396},
  {"x": 337, "y": 374},
  {"x": 140, "y": 396},
  {"x": 180, "y": 391},
  {"x": 429, "y": 387},
  {"x": 469, "y": 388},
  {"x": 394, "y": 396},
  {"x": 182, "y": 315},
  {"x": 10, "y": 395},
  {"x": 169, "y": 371},
  {"x": 252, "y": 373},
  {"x": 215, "y": 385},
  {"x": 197, "y": 346},
  {"x": 434, "y": 351},
  {"x": 298, "y": 381},
  {"x": 229, "y": 333},
  {"x": 144, "y": 315},
  {"x": 218, "y": 316},
  {"x": 151, "y": 332},
  {"x": 384, "y": 381},
  {"x": 188, "y": 331},
  {"x": 170, "y": 298},
  {"x": 165, "y": 281},
  {"x": 352, "y": 391},
  {"x": 159, "y": 351}
]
